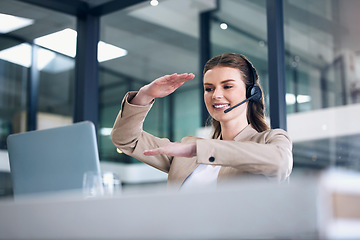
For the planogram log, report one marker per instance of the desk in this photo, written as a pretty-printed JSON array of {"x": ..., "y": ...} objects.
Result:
[{"x": 301, "y": 209}]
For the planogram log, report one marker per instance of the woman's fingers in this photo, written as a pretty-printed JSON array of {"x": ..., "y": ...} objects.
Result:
[
  {"x": 161, "y": 87},
  {"x": 174, "y": 149},
  {"x": 186, "y": 76},
  {"x": 165, "y": 85},
  {"x": 152, "y": 152},
  {"x": 179, "y": 77},
  {"x": 177, "y": 80}
]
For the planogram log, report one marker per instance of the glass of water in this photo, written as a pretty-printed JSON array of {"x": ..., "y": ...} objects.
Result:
[
  {"x": 111, "y": 183},
  {"x": 92, "y": 185}
]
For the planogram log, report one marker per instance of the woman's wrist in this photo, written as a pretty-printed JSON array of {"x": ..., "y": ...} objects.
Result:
[{"x": 141, "y": 98}]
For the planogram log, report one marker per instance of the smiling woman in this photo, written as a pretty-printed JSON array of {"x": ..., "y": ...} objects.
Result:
[
  {"x": 224, "y": 88},
  {"x": 239, "y": 80},
  {"x": 242, "y": 144}
]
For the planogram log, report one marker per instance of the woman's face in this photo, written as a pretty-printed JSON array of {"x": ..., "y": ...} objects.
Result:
[{"x": 223, "y": 88}]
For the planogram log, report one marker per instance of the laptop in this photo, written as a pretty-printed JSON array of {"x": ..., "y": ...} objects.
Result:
[{"x": 52, "y": 160}]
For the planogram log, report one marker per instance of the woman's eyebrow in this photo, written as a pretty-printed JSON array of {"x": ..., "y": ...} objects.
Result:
[
  {"x": 222, "y": 82},
  {"x": 228, "y": 80}
]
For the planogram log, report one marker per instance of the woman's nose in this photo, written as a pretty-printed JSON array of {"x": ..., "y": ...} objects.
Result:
[{"x": 217, "y": 94}]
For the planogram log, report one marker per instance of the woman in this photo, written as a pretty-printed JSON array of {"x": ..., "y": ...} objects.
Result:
[{"x": 242, "y": 143}]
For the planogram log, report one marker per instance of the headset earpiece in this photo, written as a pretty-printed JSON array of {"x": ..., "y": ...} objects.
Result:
[{"x": 254, "y": 92}]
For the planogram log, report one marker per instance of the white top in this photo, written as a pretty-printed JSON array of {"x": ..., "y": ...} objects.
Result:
[{"x": 204, "y": 175}]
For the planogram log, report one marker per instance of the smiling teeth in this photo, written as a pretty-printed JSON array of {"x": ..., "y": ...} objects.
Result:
[{"x": 220, "y": 106}]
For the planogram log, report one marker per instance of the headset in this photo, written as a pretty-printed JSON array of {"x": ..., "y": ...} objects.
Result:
[{"x": 253, "y": 92}]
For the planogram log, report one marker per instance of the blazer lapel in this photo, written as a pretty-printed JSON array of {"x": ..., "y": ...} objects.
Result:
[{"x": 245, "y": 134}]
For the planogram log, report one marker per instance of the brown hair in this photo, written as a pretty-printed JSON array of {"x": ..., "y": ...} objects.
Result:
[{"x": 256, "y": 110}]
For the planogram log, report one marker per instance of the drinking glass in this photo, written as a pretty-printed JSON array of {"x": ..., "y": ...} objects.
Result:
[
  {"x": 92, "y": 185},
  {"x": 111, "y": 183}
]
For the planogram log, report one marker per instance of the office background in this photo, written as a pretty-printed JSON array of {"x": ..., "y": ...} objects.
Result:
[{"x": 315, "y": 94}]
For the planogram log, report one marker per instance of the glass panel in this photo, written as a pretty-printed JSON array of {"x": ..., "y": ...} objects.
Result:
[
  {"x": 13, "y": 90},
  {"x": 187, "y": 118},
  {"x": 323, "y": 82},
  {"x": 56, "y": 88},
  {"x": 240, "y": 27},
  {"x": 159, "y": 40},
  {"x": 112, "y": 88}
]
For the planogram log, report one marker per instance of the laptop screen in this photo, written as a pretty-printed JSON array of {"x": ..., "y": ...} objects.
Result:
[{"x": 53, "y": 159}]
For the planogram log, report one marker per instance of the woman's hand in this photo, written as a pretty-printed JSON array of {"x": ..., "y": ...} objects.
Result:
[
  {"x": 161, "y": 87},
  {"x": 174, "y": 149}
]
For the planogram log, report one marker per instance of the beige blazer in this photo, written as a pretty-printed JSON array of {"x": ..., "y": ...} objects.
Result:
[{"x": 267, "y": 153}]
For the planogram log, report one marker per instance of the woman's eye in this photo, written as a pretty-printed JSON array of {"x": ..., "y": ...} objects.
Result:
[
  {"x": 208, "y": 89},
  {"x": 227, "y": 87}
]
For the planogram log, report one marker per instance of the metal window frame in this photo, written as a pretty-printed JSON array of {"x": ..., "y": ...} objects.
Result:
[{"x": 276, "y": 63}]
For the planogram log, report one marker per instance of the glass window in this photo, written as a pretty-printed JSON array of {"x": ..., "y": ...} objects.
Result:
[
  {"x": 240, "y": 27},
  {"x": 13, "y": 88},
  {"x": 323, "y": 81},
  {"x": 55, "y": 76},
  {"x": 187, "y": 117},
  {"x": 159, "y": 40},
  {"x": 56, "y": 91}
]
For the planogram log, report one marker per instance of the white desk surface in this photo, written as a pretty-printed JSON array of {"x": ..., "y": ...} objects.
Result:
[{"x": 251, "y": 210}]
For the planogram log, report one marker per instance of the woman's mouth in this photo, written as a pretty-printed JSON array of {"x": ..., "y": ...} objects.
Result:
[{"x": 221, "y": 106}]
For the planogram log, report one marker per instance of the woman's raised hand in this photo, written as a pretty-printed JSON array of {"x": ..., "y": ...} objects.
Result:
[{"x": 161, "y": 87}]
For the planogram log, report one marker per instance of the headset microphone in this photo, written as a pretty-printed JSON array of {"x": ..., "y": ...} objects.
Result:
[
  {"x": 250, "y": 98},
  {"x": 253, "y": 92}
]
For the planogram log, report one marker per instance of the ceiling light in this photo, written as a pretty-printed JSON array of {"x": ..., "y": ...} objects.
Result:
[
  {"x": 107, "y": 52},
  {"x": 63, "y": 42},
  {"x": 9, "y": 23},
  {"x": 154, "y": 3},
  {"x": 261, "y": 43},
  {"x": 44, "y": 58},
  {"x": 223, "y": 26},
  {"x": 21, "y": 55}
]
